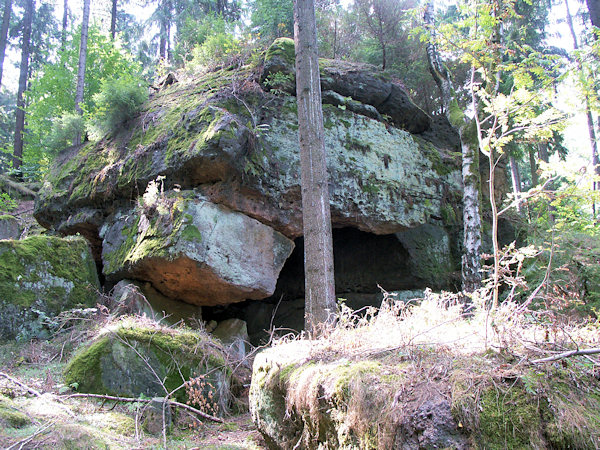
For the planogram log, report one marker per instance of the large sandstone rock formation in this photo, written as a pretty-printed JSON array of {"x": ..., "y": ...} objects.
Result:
[{"x": 217, "y": 159}]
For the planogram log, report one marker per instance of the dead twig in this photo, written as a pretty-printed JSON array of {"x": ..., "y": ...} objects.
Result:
[
  {"x": 139, "y": 400},
  {"x": 21, "y": 444},
  {"x": 589, "y": 351}
]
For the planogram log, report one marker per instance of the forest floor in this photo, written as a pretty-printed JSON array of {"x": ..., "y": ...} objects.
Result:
[{"x": 35, "y": 411}]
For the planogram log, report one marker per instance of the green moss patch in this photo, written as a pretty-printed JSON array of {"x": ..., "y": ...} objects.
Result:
[
  {"x": 129, "y": 357},
  {"x": 10, "y": 415},
  {"x": 41, "y": 276}
]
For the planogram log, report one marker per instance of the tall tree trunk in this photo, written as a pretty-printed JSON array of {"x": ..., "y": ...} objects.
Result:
[
  {"x": 82, "y": 61},
  {"x": 113, "y": 19},
  {"x": 533, "y": 168},
  {"x": 63, "y": 35},
  {"x": 4, "y": 33},
  {"x": 471, "y": 259},
  {"x": 594, "y": 9},
  {"x": 23, "y": 75},
  {"x": 515, "y": 177},
  {"x": 318, "y": 243},
  {"x": 162, "y": 46}
]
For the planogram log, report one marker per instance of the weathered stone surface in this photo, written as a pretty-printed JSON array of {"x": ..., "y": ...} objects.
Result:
[
  {"x": 228, "y": 141},
  {"x": 344, "y": 403},
  {"x": 131, "y": 358},
  {"x": 367, "y": 90},
  {"x": 430, "y": 254},
  {"x": 195, "y": 251},
  {"x": 9, "y": 227},
  {"x": 40, "y": 277},
  {"x": 233, "y": 333},
  {"x": 140, "y": 298}
]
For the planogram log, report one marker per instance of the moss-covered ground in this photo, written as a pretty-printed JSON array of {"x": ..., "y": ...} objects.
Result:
[{"x": 56, "y": 421}]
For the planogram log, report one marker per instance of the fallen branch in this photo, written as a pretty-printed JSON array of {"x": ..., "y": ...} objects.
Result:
[
  {"x": 139, "y": 400},
  {"x": 23, "y": 385},
  {"x": 589, "y": 351},
  {"x": 21, "y": 444}
]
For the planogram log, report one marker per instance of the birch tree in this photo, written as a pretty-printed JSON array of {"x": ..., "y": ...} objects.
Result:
[
  {"x": 471, "y": 258},
  {"x": 318, "y": 244}
]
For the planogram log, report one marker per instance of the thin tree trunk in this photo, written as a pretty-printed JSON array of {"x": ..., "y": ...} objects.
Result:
[
  {"x": 471, "y": 258},
  {"x": 63, "y": 35},
  {"x": 515, "y": 177},
  {"x": 4, "y": 33},
  {"x": 82, "y": 61},
  {"x": 533, "y": 168},
  {"x": 113, "y": 20},
  {"x": 318, "y": 244},
  {"x": 23, "y": 74},
  {"x": 588, "y": 112},
  {"x": 162, "y": 46}
]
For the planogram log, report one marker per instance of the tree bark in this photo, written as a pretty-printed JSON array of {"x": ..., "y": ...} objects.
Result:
[
  {"x": 318, "y": 244},
  {"x": 23, "y": 77},
  {"x": 588, "y": 112},
  {"x": 471, "y": 258},
  {"x": 63, "y": 35},
  {"x": 515, "y": 177},
  {"x": 82, "y": 61},
  {"x": 533, "y": 168},
  {"x": 594, "y": 9},
  {"x": 4, "y": 33},
  {"x": 113, "y": 20}
]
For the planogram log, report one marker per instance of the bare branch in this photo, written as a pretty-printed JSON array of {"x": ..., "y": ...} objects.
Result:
[
  {"x": 589, "y": 351},
  {"x": 23, "y": 385}
]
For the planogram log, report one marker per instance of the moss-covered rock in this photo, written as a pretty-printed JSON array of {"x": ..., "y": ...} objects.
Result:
[
  {"x": 425, "y": 399},
  {"x": 132, "y": 358},
  {"x": 40, "y": 276},
  {"x": 10, "y": 415},
  {"x": 194, "y": 250}
]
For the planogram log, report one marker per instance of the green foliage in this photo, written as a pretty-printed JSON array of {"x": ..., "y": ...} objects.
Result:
[
  {"x": 64, "y": 130},
  {"x": 272, "y": 19},
  {"x": 52, "y": 90},
  {"x": 118, "y": 101},
  {"x": 217, "y": 50},
  {"x": 7, "y": 203},
  {"x": 565, "y": 232}
]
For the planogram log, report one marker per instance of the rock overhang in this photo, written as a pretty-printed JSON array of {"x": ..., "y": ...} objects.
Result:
[{"x": 228, "y": 142}]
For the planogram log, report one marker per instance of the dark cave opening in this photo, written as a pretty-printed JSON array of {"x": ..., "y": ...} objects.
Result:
[{"x": 362, "y": 262}]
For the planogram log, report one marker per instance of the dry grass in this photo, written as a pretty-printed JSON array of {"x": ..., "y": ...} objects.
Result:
[
  {"x": 371, "y": 372},
  {"x": 439, "y": 321}
]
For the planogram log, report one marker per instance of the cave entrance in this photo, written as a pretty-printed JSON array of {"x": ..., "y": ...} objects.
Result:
[{"x": 362, "y": 262}]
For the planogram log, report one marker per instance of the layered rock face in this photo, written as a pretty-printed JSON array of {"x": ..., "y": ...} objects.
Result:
[{"x": 200, "y": 195}]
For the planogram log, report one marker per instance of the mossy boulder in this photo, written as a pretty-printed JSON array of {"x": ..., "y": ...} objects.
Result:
[
  {"x": 10, "y": 415},
  {"x": 419, "y": 399},
  {"x": 41, "y": 276},
  {"x": 194, "y": 250},
  {"x": 133, "y": 358}
]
